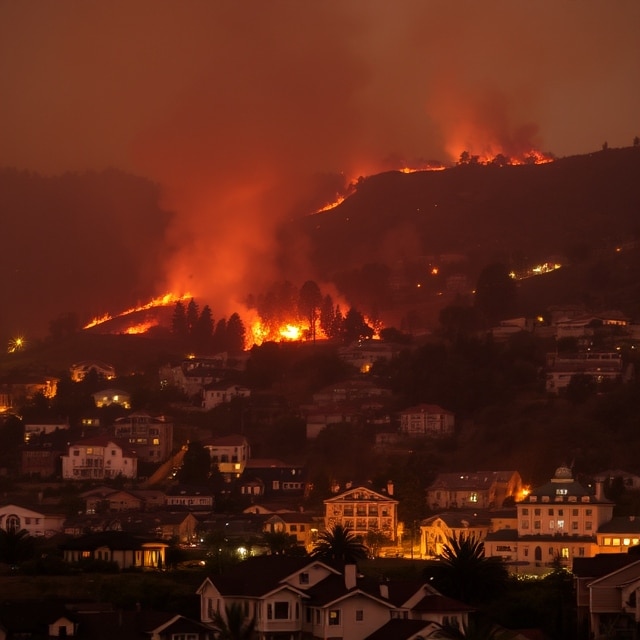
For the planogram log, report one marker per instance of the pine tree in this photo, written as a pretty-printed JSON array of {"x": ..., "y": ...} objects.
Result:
[
  {"x": 236, "y": 333},
  {"x": 179, "y": 321}
]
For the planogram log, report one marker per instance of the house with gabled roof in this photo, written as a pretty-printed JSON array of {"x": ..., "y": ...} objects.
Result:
[
  {"x": 37, "y": 520},
  {"x": 362, "y": 510},
  {"x": 436, "y": 531},
  {"x": 303, "y": 597},
  {"x": 614, "y": 603}
]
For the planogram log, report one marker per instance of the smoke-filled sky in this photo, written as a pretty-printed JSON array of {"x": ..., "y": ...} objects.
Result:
[{"x": 241, "y": 111}]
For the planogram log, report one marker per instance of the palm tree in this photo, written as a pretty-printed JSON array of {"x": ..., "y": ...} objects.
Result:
[
  {"x": 465, "y": 573},
  {"x": 474, "y": 629},
  {"x": 233, "y": 625},
  {"x": 339, "y": 543},
  {"x": 281, "y": 543},
  {"x": 15, "y": 546}
]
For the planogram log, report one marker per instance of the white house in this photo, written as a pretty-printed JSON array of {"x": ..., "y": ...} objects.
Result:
[
  {"x": 98, "y": 458},
  {"x": 230, "y": 453},
  {"x": 557, "y": 522},
  {"x": 302, "y": 597},
  {"x": 34, "y": 520}
]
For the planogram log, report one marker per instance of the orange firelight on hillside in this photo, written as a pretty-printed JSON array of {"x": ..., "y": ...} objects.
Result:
[{"x": 160, "y": 301}]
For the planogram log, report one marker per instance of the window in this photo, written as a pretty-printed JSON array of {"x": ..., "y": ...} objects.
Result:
[
  {"x": 550, "y": 512},
  {"x": 334, "y": 617},
  {"x": 359, "y": 615},
  {"x": 281, "y": 610},
  {"x": 565, "y": 552},
  {"x": 536, "y": 512},
  {"x": 536, "y": 524},
  {"x": 574, "y": 526},
  {"x": 588, "y": 512},
  {"x": 524, "y": 524},
  {"x": 525, "y": 512},
  {"x": 581, "y": 552},
  {"x": 304, "y": 577},
  {"x": 574, "y": 512},
  {"x": 473, "y": 497},
  {"x": 588, "y": 526}
]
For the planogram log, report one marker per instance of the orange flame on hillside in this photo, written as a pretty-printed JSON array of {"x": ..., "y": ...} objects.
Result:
[{"x": 160, "y": 301}]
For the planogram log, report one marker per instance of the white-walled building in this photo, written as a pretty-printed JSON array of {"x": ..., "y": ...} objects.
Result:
[{"x": 98, "y": 458}]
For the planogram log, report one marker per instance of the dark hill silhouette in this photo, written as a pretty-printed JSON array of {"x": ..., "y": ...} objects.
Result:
[{"x": 512, "y": 213}]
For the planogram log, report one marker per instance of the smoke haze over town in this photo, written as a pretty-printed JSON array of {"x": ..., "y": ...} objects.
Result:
[{"x": 249, "y": 114}]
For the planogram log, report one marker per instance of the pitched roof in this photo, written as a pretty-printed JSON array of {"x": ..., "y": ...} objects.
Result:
[
  {"x": 259, "y": 575},
  {"x": 601, "y": 564}
]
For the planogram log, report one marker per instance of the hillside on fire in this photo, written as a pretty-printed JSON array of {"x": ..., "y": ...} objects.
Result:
[
  {"x": 477, "y": 213},
  {"x": 399, "y": 243}
]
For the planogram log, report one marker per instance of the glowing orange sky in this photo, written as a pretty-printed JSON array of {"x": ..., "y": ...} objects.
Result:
[{"x": 235, "y": 109}]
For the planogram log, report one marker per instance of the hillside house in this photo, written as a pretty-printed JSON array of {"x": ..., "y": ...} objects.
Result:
[
  {"x": 217, "y": 393},
  {"x": 107, "y": 397},
  {"x": 80, "y": 370},
  {"x": 427, "y": 420},
  {"x": 436, "y": 531},
  {"x": 230, "y": 453},
  {"x": 473, "y": 489},
  {"x": 601, "y": 365},
  {"x": 98, "y": 458},
  {"x": 151, "y": 437}
]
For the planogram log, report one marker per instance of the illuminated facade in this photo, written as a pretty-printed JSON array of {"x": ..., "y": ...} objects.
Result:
[
  {"x": 557, "y": 522},
  {"x": 98, "y": 458},
  {"x": 362, "y": 510},
  {"x": 151, "y": 438}
]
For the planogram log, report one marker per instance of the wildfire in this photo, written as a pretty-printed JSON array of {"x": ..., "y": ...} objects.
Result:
[
  {"x": 160, "y": 301},
  {"x": 143, "y": 327}
]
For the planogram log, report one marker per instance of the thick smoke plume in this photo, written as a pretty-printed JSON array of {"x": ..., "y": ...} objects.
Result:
[{"x": 248, "y": 114}]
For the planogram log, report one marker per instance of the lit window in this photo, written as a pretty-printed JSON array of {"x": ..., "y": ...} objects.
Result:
[
  {"x": 565, "y": 552},
  {"x": 334, "y": 617}
]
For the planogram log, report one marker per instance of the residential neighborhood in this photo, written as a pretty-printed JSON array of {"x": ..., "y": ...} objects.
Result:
[{"x": 210, "y": 487}]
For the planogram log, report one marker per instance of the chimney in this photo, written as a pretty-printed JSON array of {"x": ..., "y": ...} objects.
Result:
[
  {"x": 390, "y": 487},
  {"x": 599, "y": 490},
  {"x": 384, "y": 590},
  {"x": 350, "y": 576}
]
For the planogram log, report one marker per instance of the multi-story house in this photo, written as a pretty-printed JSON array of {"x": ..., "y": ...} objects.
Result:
[
  {"x": 557, "y": 522},
  {"x": 301, "y": 597},
  {"x": 600, "y": 365},
  {"x": 473, "y": 489},
  {"x": 427, "y": 420},
  {"x": 230, "y": 453},
  {"x": 98, "y": 458},
  {"x": 362, "y": 510},
  {"x": 151, "y": 438}
]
